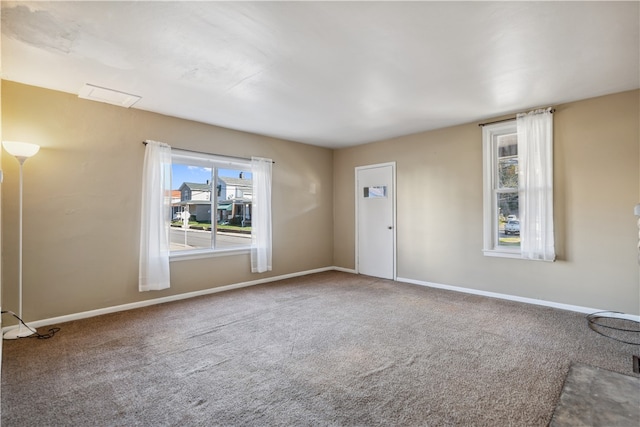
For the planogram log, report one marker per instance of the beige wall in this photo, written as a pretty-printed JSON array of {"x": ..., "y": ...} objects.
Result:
[
  {"x": 439, "y": 203},
  {"x": 82, "y": 202},
  {"x": 82, "y": 198}
]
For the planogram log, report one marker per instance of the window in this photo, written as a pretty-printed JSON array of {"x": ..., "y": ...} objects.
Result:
[
  {"x": 518, "y": 187},
  {"x": 213, "y": 205},
  {"x": 501, "y": 197},
  {"x": 375, "y": 192}
]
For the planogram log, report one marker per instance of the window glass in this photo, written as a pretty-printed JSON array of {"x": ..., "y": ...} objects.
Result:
[
  {"x": 507, "y": 190},
  {"x": 375, "y": 192},
  {"x": 502, "y": 209},
  {"x": 507, "y": 161},
  {"x": 508, "y": 222},
  {"x": 210, "y": 206}
]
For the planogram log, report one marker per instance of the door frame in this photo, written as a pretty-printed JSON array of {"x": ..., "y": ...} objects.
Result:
[{"x": 393, "y": 213}]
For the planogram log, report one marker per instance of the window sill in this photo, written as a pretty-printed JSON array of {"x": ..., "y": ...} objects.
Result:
[
  {"x": 502, "y": 254},
  {"x": 199, "y": 254}
]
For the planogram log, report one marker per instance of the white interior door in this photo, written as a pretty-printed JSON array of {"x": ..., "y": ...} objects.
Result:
[{"x": 375, "y": 220}]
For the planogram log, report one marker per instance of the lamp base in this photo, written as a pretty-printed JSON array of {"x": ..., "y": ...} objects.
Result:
[{"x": 19, "y": 332}]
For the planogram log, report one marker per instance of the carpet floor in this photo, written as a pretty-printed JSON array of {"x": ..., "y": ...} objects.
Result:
[{"x": 328, "y": 349}]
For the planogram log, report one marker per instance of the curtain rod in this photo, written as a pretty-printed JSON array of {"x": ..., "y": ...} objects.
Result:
[
  {"x": 553, "y": 110},
  {"x": 221, "y": 155}
]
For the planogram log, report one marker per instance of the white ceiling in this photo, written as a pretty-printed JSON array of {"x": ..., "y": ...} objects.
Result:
[{"x": 332, "y": 74}]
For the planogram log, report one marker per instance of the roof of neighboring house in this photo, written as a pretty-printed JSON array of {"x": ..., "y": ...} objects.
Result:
[
  {"x": 196, "y": 186},
  {"x": 237, "y": 182},
  {"x": 230, "y": 181}
]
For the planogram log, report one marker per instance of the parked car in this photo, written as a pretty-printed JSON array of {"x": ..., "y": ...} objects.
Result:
[
  {"x": 512, "y": 218},
  {"x": 179, "y": 216},
  {"x": 512, "y": 227}
]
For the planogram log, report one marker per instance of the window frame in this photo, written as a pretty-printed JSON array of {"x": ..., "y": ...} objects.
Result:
[
  {"x": 214, "y": 162},
  {"x": 490, "y": 134}
]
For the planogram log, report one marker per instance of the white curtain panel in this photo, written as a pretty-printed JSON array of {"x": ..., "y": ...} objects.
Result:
[
  {"x": 535, "y": 159},
  {"x": 261, "y": 215},
  {"x": 156, "y": 214}
]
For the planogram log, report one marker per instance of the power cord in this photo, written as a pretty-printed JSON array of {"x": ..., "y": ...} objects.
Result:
[
  {"x": 594, "y": 320},
  {"x": 50, "y": 334}
]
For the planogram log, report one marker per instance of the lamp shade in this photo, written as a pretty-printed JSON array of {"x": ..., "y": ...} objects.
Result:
[{"x": 22, "y": 150}]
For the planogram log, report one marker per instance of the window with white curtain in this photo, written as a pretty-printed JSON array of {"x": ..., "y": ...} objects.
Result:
[
  {"x": 197, "y": 205},
  {"x": 501, "y": 198},
  {"x": 518, "y": 187}
]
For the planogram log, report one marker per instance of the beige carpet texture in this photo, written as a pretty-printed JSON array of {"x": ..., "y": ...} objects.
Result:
[{"x": 328, "y": 349}]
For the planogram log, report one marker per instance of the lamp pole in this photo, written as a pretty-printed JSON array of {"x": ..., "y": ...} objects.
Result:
[{"x": 22, "y": 151}]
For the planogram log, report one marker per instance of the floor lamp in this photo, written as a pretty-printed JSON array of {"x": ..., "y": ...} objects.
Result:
[{"x": 22, "y": 151}]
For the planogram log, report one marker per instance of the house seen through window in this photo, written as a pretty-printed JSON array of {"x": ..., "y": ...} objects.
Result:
[{"x": 210, "y": 205}]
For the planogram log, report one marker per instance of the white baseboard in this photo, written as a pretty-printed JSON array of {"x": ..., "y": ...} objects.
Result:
[
  {"x": 345, "y": 270},
  {"x": 146, "y": 303},
  {"x": 534, "y": 301}
]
